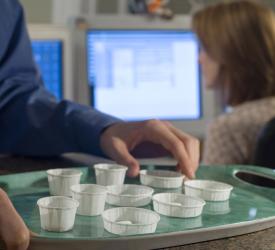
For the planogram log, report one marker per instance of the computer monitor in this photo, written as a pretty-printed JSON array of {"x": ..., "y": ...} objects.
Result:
[
  {"x": 142, "y": 74},
  {"x": 141, "y": 69},
  {"x": 52, "y": 50},
  {"x": 48, "y": 57}
]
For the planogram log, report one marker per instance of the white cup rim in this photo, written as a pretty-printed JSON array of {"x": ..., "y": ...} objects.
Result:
[
  {"x": 151, "y": 212},
  {"x": 146, "y": 173},
  {"x": 102, "y": 192},
  {"x": 106, "y": 167},
  {"x": 194, "y": 184},
  {"x": 76, "y": 174},
  {"x": 199, "y": 202},
  {"x": 75, "y": 203},
  {"x": 149, "y": 191}
]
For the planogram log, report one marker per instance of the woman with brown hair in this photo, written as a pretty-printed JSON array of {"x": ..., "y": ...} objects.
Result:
[{"x": 238, "y": 61}]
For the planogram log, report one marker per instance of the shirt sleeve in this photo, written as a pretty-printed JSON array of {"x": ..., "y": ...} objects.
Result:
[
  {"x": 221, "y": 146},
  {"x": 32, "y": 121}
]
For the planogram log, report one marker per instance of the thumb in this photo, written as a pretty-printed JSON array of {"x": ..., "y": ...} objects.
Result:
[
  {"x": 122, "y": 156},
  {"x": 32, "y": 234}
]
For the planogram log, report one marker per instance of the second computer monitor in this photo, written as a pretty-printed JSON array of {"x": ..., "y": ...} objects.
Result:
[
  {"x": 141, "y": 74},
  {"x": 52, "y": 51},
  {"x": 49, "y": 59}
]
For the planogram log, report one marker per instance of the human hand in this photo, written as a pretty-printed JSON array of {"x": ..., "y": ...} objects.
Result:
[
  {"x": 118, "y": 140},
  {"x": 13, "y": 230}
]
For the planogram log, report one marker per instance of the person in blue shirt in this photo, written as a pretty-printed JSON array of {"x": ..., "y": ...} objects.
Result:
[{"x": 34, "y": 123}]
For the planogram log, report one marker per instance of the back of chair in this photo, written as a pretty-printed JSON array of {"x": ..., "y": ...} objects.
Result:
[{"x": 265, "y": 146}]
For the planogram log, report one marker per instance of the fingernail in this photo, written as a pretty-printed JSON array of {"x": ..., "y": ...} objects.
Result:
[{"x": 193, "y": 176}]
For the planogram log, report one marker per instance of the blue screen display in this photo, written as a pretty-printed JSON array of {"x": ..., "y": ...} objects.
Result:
[
  {"x": 142, "y": 74},
  {"x": 48, "y": 57}
]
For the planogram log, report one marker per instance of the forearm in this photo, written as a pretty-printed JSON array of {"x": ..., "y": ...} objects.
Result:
[{"x": 36, "y": 125}]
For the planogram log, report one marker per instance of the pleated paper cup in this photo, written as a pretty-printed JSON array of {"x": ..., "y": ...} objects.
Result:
[
  {"x": 130, "y": 220},
  {"x": 128, "y": 195},
  {"x": 57, "y": 213},
  {"x": 208, "y": 190},
  {"x": 91, "y": 198},
  {"x": 177, "y": 205},
  {"x": 110, "y": 174},
  {"x": 61, "y": 180},
  {"x": 161, "y": 178}
]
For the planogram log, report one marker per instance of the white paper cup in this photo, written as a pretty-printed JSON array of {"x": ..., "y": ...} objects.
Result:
[
  {"x": 128, "y": 195},
  {"x": 161, "y": 178},
  {"x": 61, "y": 180},
  {"x": 130, "y": 220},
  {"x": 177, "y": 205},
  {"x": 57, "y": 213},
  {"x": 110, "y": 174},
  {"x": 208, "y": 190},
  {"x": 91, "y": 198}
]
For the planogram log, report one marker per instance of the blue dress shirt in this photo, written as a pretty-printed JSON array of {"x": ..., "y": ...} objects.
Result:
[{"x": 32, "y": 121}]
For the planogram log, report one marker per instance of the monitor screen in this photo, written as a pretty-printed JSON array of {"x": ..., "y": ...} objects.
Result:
[
  {"x": 141, "y": 74},
  {"x": 48, "y": 56}
]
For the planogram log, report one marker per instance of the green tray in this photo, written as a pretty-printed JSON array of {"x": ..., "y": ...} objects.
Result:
[{"x": 250, "y": 208}]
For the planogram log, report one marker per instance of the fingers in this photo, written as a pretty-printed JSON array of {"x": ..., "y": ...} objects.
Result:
[
  {"x": 33, "y": 234},
  {"x": 20, "y": 242},
  {"x": 192, "y": 144},
  {"x": 192, "y": 147},
  {"x": 185, "y": 163},
  {"x": 122, "y": 156},
  {"x": 182, "y": 146},
  {"x": 12, "y": 227},
  {"x": 121, "y": 138}
]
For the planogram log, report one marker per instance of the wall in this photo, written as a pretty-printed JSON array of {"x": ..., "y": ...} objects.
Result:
[{"x": 39, "y": 11}]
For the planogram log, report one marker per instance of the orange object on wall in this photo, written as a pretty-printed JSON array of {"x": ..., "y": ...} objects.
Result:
[{"x": 154, "y": 5}]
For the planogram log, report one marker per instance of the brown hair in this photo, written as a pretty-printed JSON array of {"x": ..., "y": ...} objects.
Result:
[{"x": 240, "y": 37}]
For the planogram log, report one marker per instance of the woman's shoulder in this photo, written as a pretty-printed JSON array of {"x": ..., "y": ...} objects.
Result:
[{"x": 247, "y": 114}]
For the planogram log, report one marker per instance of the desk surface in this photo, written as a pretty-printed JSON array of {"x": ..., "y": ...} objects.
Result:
[{"x": 264, "y": 239}]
